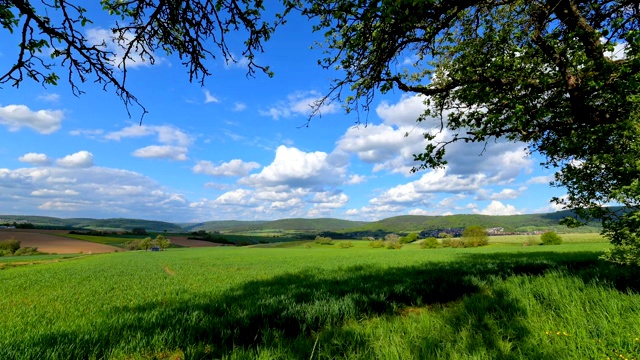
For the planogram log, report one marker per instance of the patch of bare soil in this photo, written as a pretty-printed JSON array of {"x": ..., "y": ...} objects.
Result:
[
  {"x": 183, "y": 241},
  {"x": 46, "y": 241}
]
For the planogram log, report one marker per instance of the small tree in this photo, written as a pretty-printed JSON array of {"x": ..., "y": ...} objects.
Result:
[
  {"x": 475, "y": 236},
  {"x": 550, "y": 238},
  {"x": 145, "y": 244},
  {"x": 162, "y": 242},
  {"x": 445, "y": 235}
]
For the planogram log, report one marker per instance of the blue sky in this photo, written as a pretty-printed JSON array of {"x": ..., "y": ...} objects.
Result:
[{"x": 235, "y": 148}]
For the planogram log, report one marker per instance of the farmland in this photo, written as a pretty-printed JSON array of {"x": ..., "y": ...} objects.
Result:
[{"x": 500, "y": 301}]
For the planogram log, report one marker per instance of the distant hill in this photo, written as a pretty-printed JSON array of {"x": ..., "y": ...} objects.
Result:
[
  {"x": 86, "y": 223},
  {"x": 222, "y": 225},
  {"x": 296, "y": 224},
  {"x": 408, "y": 223},
  {"x": 399, "y": 224}
]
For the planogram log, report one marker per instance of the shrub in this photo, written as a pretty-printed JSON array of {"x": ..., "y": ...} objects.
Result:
[
  {"x": 376, "y": 244},
  {"x": 323, "y": 240},
  {"x": 531, "y": 241},
  {"x": 393, "y": 244},
  {"x": 11, "y": 245},
  {"x": 409, "y": 238},
  {"x": 550, "y": 238},
  {"x": 26, "y": 251},
  {"x": 445, "y": 235},
  {"x": 429, "y": 243},
  {"x": 345, "y": 245},
  {"x": 454, "y": 243}
]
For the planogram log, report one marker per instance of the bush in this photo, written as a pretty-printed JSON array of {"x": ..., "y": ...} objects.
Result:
[
  {"x": 323, "y": 240},
  {"x": 345, "y": 245},
  {"x": 376, "y": 244},
  {"x": 429, "y": 243},
  {"x": 454, "y": 243},
  {"x": 10, "y": 245},
  {"x": 550, "y": 238},
  {"x": 26, "y": 251},
  {"x": 531, "y": 241},
  {"x": 393, "y": 244},
  {"x": 409, "y": 238}
]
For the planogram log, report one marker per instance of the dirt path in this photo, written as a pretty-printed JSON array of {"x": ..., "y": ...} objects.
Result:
[{"x": 47, "y": 241}]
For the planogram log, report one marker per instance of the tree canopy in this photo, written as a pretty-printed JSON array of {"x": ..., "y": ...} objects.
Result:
[{"x": 559, "y": 76}]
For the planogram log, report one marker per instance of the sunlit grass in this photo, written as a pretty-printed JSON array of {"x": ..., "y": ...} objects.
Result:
[{"x": 324, "y": 302}]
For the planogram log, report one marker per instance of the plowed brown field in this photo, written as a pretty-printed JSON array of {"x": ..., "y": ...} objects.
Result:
[{"x": 47, "y": 241}]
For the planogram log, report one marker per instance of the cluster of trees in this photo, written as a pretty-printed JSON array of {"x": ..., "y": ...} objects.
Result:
[
  {"x": 561, "y": 76},
  {"x": 12, "y": 247},
  {"x": 147, "y": 243}
]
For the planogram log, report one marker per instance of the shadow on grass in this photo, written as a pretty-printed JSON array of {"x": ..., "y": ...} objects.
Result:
[{"x": 288, "y": 315}]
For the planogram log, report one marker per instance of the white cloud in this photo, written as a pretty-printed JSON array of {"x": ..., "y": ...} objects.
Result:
[
  {"x": 356, "y": 179},
  {"x": 50, "y": 193},
  {"x": 545, "y": 179},
  {"x": 35, "y": 159},
  {"x": 299, "y": 103},
  {"x": 16, "y": 117},
  {"x": 238, "y": 106},
  {"x": 91, "y": 192},
  {"x": 235, "y": 62},
  {"x": 235, "y": 167},
  {"x": 295, "y": 168},
  {"x": 504, "y": 194},
  {"x": 81, "y": 159},
  {"x": 208, "y": 98},
  {"x": 166, "y": 134},
  {"x": 50, "y": 97},
  {"x": 178, "y": 153},
  {"x": 498, "y": 208},
  {"x": 240, "y": 197},
  {"x": 90, "y": 133},
  {"x": 139, "y": 56}
]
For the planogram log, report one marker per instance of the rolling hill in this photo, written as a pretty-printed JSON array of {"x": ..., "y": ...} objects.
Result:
[{"x": 399, "y": 224}]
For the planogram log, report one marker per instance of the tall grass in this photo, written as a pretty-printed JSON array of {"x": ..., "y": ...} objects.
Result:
[{"x": 295, "y": 303}]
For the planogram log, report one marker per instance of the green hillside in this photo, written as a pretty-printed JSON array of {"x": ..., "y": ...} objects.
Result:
[
  {"x": 86, "y": 223},
  {"x": 407, "y": 223},
  {"x": 223, "y": 225}
]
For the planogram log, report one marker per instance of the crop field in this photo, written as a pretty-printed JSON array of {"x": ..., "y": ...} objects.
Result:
[
  {"x": 56, "y": 242},
  {"x": 324, "y": 302}
]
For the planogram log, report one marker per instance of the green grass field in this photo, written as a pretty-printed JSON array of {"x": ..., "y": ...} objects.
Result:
[{"x": 324, "y": 302}]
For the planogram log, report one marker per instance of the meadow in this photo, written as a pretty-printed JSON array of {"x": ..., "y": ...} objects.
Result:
[{"x": 324, "y": 302}]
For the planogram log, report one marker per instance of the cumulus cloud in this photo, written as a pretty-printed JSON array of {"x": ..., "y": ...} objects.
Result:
[
  {"x": 35, "y": 159},
  {"x": 296, "y": 168},
  {"x": 498, "y": 208},
  {"x": 81, "y": 159},
  {"x": 178, "y": 153},
  {"x": 16, "y": 117},
  {"x": 235, "y": 167},
  {"x": 91, "y": 192},
  {"x": 483, "y": 194},
  {"x": 299, "y": 103}
]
